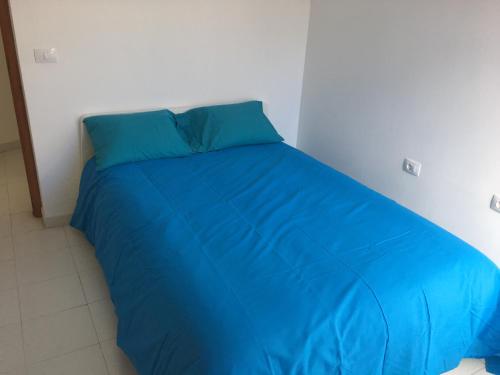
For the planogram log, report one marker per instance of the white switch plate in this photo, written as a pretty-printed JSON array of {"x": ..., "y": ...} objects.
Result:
[
  {"x": 412, "y": 167},
  {"x": 495, "y": 203},
  {"x": 45, "y": 55}
]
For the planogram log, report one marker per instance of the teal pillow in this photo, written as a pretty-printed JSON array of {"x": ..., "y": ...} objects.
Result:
[
  {"x": 125, "y": 138},
  {"x": 222, "y": 126}
]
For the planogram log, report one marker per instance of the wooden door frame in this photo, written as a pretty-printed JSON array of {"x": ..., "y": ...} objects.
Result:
[{"x": 16, "y": 86}]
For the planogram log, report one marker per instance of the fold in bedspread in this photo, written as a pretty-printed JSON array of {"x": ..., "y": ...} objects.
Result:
[{"x": 261, "y": 260}]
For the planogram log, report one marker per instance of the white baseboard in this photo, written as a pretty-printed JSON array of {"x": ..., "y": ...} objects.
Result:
[
  {"x": 10, "y": 146},
  {"x": 56, "y": 221}
]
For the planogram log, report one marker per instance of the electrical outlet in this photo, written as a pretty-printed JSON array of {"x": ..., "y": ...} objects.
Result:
[
  {"x": 495, "y": 203},
  {"x": 412, "y": 167}
]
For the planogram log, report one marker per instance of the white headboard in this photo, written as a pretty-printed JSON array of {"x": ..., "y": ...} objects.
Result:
[{"x": 86, "y": 149}]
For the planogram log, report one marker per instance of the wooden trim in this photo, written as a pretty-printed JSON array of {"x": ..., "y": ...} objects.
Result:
[{"x": 16, "y": 85}]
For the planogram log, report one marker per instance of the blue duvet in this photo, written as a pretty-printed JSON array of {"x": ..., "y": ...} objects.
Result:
[{"x": 261, "y": 260}]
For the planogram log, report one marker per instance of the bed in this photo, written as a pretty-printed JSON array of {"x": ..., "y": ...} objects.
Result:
[{"x": 262, "y": 260}]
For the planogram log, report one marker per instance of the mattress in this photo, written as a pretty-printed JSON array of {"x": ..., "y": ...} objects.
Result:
[{"x": 262, "y": 260}]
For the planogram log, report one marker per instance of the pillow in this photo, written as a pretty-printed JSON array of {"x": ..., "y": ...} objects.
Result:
[
  {"x": 222, "y": 126},
  {"x": 124, "y": 138}
]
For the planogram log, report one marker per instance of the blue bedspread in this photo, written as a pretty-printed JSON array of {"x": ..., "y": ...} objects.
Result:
[{"x": 261, "y": 260}]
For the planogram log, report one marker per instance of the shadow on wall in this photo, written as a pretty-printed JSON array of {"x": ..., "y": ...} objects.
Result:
[{"x": 419, "y": 79}]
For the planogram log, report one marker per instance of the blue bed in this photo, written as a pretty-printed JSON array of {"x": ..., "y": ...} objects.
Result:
[{"x": 261, "y": 260}]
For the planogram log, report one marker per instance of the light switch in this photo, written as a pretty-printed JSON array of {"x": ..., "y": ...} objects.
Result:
[{"x": 45, "y": 55}]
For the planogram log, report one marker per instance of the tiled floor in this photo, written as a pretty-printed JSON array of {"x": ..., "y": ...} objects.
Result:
[
  {"x": 56, "y": 317},
  {"x": 55, "y": 314}
]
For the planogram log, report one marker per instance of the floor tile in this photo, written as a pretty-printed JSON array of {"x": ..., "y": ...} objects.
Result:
[
  {"x": 472, "y": 364},
  {"x": 104, "y": 318},
  {"x": 88, "y": 361},
  {"x": 5, "y": 225},
  {"x": 94, "y": 286},
  {"x": 85, "y": 259},
  {"x": 40, "y": 241},
  {"x": 118, "y": 363},
  {"x": 75, "y": 237},
  {"x": 19, "y": 197},
  {"x": 467, "y": 367},
  {"x": 11, "y": 344},
  {"x": 50, "y": 296},
  {"x": 6, "y": 249},
  {"x": 57, "y": 334},
  {"x": 46, "y": 266},
  {"x": 4, "y": 200},
  {"x": 9, "y": 307},
  {"x": 8, "y": 275},
  {"x": 14, "y": 166},
  {"x": 25, "y": 222}
]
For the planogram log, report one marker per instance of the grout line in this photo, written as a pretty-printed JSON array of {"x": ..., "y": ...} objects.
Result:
[
  {"x": 18, "y": 285},
  {"x": 93, "y": 275},
  {"x": 98, "y": 339},
  {"x": 106, "y": 365},
  {"x": 46, "y": 280},
  {"x": 62, "y": 355},
  {"x": 78, "y": 274},
  {"x": 83, "y": 290},
  {"x": 44, "y": 315},
  {"x": 71, "y": 351},
  {"x": 24, "y": 233},
  {"x": 19, "y": 309}
]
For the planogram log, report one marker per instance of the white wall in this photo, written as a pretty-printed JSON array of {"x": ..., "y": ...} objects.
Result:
[
  {"x": 388, "y": 79},
  {"x": 8, "y": 124},
  {"x": 131, "y": 54}
]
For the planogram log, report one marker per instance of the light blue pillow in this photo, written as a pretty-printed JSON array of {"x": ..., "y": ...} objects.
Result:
[
  {"x": 125, "y": 138},
  {"x": 222, "y": 126}
]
